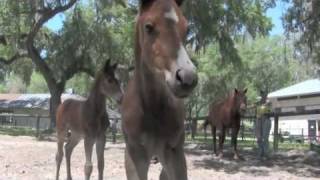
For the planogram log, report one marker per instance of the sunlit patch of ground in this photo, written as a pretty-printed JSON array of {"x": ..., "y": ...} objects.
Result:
[{"x": 26, "y": 158}]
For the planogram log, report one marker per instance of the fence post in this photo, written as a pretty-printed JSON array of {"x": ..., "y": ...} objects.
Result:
[
  {"x": 14, "y": 121},
  {"x": 114, "y": 130},
  {"x": 38, "y": 126},
  {"x": 205, "y": 133},
  {"x": 193, "y": 128},
  {"x": 275, "y": 133},
  {"x": 302, "y": 135},
  {"x": 242, "y": 130}
]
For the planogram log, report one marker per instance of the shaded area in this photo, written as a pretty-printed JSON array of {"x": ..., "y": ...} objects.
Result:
[{"x": 297, "y": 162}]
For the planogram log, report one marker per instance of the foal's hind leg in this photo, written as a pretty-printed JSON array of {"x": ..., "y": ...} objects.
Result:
[
  {"x": 222, "y": 135},
  {"x": 59, "y": 154},
  {"x": 214, "y": 139},
  {"x": 234, "y": 135},
  {"x": 101, "y": 141},
  {"x": 88, "y": 146},
  {"x": 73, "y": 140}
]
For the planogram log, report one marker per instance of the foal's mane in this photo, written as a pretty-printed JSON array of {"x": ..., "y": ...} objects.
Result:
[{"x": 95, "y": 98}]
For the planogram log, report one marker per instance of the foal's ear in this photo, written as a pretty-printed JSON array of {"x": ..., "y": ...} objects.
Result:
[
  {"x": 145, "y": 2},
  {"x": 106, "y": 66},
  {"x": 114, "y": 67},
  {"x": 245, "y": 90},
  {"x": 179, "y": 2},
  {"x": 236, "y": 91}
]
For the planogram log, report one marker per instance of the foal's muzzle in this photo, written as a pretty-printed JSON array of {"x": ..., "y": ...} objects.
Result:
[
  {"x": 186, "y": 81},
  {"x": 243, "y": 108}
]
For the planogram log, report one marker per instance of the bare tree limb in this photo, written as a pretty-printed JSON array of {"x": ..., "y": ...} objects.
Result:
[{"x": 88, "y": 71}]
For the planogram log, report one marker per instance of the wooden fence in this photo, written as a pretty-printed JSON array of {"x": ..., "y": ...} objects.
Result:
[{"x": 36, "y": 122}]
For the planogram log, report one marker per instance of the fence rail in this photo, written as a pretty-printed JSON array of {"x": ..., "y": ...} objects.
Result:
[
  {"x": 40, "y": 122},
  {"x": 36, "y": 122}
]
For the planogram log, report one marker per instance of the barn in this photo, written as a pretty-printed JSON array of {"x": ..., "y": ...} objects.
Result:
[{"x": 297, "y": 107}]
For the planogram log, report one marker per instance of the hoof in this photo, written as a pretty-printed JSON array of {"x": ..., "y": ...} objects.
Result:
[
  {"x": 236, "y": 157},
  {"x": 154, "y": 160}
]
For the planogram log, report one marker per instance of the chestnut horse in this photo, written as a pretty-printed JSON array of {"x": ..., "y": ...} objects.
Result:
[
  {"x": 87, "y": 119},
  {"x": 152, "y": 107},
  {"x": 227, "y": 114}
]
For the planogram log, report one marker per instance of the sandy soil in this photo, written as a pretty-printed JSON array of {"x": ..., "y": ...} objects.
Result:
[{"x": 24, "y": 158}]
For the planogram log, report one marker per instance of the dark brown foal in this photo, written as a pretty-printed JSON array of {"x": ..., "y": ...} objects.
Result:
[
  {"x": 87, "y": 119},
  {"x": 227, "y": 114},
  {"x": 152, "y": 109}
]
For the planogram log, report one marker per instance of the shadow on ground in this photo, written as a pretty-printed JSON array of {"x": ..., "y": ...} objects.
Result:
[{"x": 294, "y": 162}]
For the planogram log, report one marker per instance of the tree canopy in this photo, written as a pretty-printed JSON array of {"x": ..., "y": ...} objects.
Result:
[
  {"x": 302, "y": 21},
  {"x": 229, "y": 41}
]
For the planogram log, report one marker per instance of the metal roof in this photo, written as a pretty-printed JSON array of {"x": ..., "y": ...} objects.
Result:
[
  {"x": 33, "y": 101},
  {"x": 308, "y": 87}
]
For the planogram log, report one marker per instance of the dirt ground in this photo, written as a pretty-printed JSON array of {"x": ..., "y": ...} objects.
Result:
[{"x": 24, "y": 158}]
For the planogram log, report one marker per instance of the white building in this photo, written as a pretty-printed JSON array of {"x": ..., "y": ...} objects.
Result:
[{"x": 301, "y": 97}]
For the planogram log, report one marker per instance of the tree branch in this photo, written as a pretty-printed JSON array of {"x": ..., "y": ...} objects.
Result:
[
  {"x": 45, "y": 15},
  {"x": 88, "y": 71},
  {"x": 12, "y": 59}
]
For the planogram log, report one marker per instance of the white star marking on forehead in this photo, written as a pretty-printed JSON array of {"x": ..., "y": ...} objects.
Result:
[{"x": 172, "y": 15}]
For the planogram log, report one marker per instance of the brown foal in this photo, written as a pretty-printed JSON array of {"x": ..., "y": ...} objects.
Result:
[
  {"x": 87, "y": 119},
  {"x": 152, "y": 108},
  {"x": 227, "y": 114}
]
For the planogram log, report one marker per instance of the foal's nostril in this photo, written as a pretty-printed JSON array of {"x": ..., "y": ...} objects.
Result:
[
  {"x": 119, "y": 99},
  {"x": 178, "y": 76},
  {"x": 186, "y": 77}
]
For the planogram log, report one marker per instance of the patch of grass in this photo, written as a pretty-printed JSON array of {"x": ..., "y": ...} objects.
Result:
[
  {"x": 290, "y": 146},
  {"x": 119, "y": 137},
  {"x": 199, "y": 139},
  {"x": 17, "y": 131},
  {"x": 249, "y": 142}
]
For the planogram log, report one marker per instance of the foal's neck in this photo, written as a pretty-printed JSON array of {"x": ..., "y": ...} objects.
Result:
[
  {"x": 152, "y": 89},
  {"x": 96, "y": 100},
  {"x": 233, "y": 105}
]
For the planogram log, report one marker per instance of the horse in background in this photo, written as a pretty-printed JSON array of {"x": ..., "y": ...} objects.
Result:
[
  {"x": 227, "y": 114},
  {"x": 87, "y": 119},
  {"x": 152, "y": 107}
]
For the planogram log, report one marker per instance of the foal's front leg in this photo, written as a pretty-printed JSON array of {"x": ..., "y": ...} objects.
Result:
[
  {"x": 174, "y": 164},
  {"x": 136, "y": 162},
  {"x": 101, "y": 141},
  {"x": 234, "y": 135},
  {"x": 88, "y": 145},
  {"x": 222, "y": 135}
]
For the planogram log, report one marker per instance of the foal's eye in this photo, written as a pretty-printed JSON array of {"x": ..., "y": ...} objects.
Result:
[{"x": 149, "y": 27}]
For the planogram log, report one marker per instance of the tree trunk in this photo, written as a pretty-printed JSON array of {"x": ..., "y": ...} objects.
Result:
[
  {"x": 194, "y": 128},
  {"x": 55, "y": 100}
]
